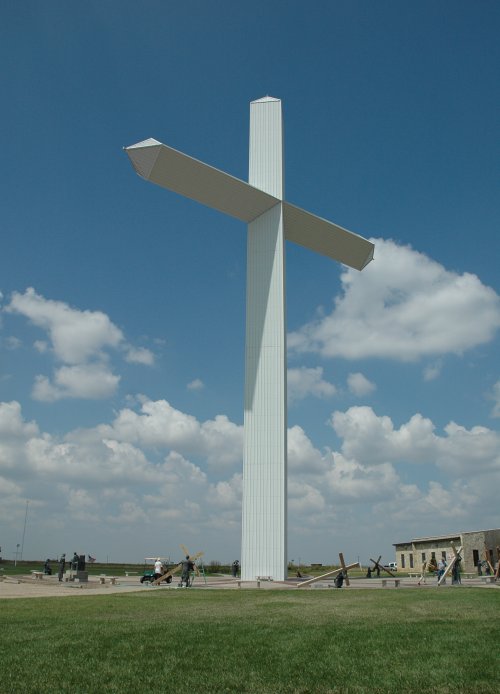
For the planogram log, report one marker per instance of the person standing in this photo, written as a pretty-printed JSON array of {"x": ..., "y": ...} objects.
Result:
[
  {"x": 187, "y": 567},
  {"x": 62, "y": 565},
  {"x": 158, "y": 569},
  {"x": 235, "y": 568},
  {"x": 422, "y": 575}
]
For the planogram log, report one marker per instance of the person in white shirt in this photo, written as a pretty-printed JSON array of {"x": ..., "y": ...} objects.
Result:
[
  {"x": 441, "y": 568},
  {"x": 158, "y": 568}
]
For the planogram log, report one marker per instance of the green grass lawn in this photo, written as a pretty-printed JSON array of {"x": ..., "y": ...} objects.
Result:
[{"x": 254, "y": 641}]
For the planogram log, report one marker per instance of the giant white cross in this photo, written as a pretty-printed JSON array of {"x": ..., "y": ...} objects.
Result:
[{"x": 270, "y": 221}]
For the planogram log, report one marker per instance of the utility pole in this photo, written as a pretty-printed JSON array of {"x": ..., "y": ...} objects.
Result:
[{"x": 24, "y": 529}]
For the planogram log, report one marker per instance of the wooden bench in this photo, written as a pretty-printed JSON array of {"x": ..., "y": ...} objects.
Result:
[
  {"x": 103, "y": 577},
  {"x": 37, "y": 575},
  {"x": 396, "y": 581},
  {"x": 240, "y": 582}
]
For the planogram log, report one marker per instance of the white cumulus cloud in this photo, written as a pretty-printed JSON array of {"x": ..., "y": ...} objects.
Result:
[
  {"x": 83, "y": 341},
  {"x": 432, "y": 371},
  {"x": 75, "y": 335},
  {"x": 136, "y": 474},
  {"x": 402, "y": 306},
  {"x": 374, "y": 440},
  {"x": 303, "y": 382},
  {"x": 140, "y": 355},
  {"x": 90, "y": 381},
  {"x": 359, "y": 385},
  {"x": 197, "y": 384},
  {"x": 496, "y": 398},
  {"x": 158, "y": 424}
]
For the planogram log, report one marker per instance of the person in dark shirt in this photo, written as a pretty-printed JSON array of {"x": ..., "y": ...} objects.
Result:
[
  {"x": 187, "y": 567},
  {"x": 339, "y": 580},
  {"x": 455, "y": 572},
  {"x": 62, "y": 565}
]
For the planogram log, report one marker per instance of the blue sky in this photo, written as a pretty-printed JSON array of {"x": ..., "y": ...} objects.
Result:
[{"x": 122, "y": 305}]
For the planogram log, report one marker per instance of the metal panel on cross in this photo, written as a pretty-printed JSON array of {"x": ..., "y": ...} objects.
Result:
[{"x": 270, "y": 222}]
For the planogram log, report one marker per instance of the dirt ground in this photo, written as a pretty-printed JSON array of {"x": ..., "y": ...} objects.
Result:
[{"x": 49, "y": 586}]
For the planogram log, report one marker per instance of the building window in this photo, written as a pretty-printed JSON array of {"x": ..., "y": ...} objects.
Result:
[
  {"x": 475, "y": 556},
  {"x": 433, "y": 555},
  {"x": 423, "y": 557},
  {"x": 411, "y": 561},
  {"x": 443, "y": 554},
  {"x": 402, "y": 561}
]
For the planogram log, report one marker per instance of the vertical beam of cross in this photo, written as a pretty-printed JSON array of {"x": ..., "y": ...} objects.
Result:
[
  {"x": 270, "y": 221},
  {"x": 264, "y": 513}
]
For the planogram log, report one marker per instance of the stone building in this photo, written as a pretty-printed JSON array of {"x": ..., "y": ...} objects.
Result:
[{"x": 476, "y": 546}]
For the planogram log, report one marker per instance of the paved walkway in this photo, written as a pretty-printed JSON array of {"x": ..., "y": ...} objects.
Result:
[{"x": 49, "y": 586}]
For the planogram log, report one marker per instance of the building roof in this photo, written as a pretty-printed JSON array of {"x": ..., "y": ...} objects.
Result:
[{"x": 442, "y": 537}]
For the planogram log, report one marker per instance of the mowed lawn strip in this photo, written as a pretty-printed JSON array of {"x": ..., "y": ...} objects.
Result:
[{"x": 444, "y": 640}]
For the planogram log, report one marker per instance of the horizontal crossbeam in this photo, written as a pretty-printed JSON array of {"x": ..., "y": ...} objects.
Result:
[
  {"x": 182, "y": 174},
  {"x": 327, "y": 575},
  {"x": 192, "y": 178},
  {"x": 326, "y": 238}
]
